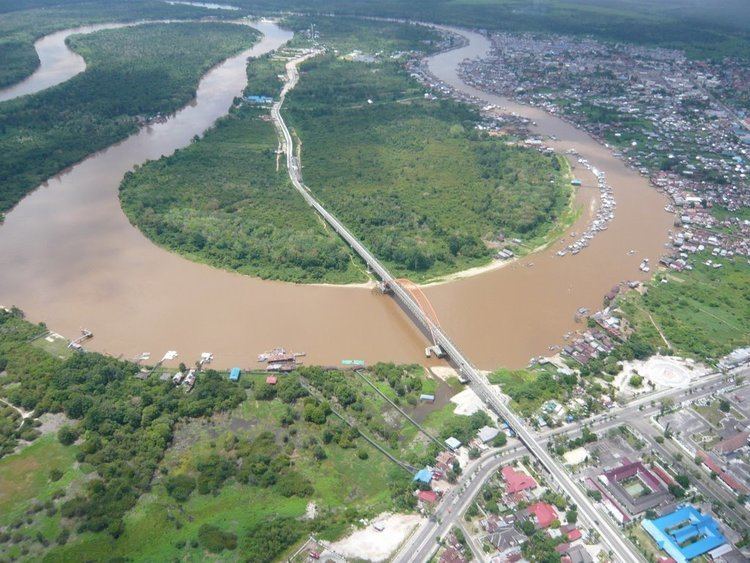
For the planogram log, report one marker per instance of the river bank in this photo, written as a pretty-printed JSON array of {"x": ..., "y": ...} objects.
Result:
[{"x": 69, "y": 256}]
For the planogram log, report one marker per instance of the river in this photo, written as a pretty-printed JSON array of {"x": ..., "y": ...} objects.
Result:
[
  {"x": 69, "y": 257},
  {"x": 510, "y": 314},
  {"x": 57, "y": 63}
]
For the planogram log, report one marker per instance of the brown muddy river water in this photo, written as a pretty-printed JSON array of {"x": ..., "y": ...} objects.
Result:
[
  {"x": 69, "y": 257},
  {"x": 57, "y": 63}
]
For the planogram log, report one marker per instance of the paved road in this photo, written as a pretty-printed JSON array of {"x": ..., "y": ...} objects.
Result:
[
  {"x": 420, "y": 546},
  {"x": 620, "y": 546},
  {"x": 611, "y": 535}
]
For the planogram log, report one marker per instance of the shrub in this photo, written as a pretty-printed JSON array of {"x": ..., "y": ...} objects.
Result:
[
  {"x": 179, "y": 487},
  {"x": 67, "y": 435},
  {"x": 215, "y": 540}
]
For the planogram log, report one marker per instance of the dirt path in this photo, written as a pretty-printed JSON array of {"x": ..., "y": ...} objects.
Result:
[{"x": 24, "y": 414}]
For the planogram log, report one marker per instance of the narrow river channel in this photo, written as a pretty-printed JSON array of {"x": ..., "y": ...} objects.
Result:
[
  {"x": 69, "y": 257},
  {"x": 57, "y": 63}
]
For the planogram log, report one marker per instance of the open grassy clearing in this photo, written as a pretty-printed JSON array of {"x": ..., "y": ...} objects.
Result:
[
  {"x": 703, "y": 313},
  {"x": 132, "y": 72},
  {"x": 425, "y": 191},
  {"x": 30, "y": 481}
]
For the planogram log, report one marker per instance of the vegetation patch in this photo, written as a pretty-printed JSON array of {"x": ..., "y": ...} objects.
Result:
[
  {"x": 132, "y": 73},
  {"x": 703, "y": 313},
  {"x": 529, "y": 388},
  {"x": 416, "y": 182},
  {"x": 227, "y": 200},
  {"x": 23, "y": 23}
]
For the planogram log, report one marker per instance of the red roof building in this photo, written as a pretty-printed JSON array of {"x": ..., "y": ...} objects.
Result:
[
  {"x": 574, "y": 534},
  {"x": 733, "y": 443},
  {"x": 427, "y": 496},
  {"x": 517, "y": 481},
  {"x": 730, "y": 481},
  {"x": 545, "y": 514},
  {"x": 271, "y": 380}
]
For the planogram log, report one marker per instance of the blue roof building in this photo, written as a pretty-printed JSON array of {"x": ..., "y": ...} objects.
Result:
[
  {"x": 423, "y": 476},
  {"x": 685, "y": 533},
  {"x": 234, "y": 374}
]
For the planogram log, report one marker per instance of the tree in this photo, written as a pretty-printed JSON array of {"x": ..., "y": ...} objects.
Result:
[
  {"x": 215, "y": 540},
  {"x": 724, "y": 405},
  {"x": 636, "y": 380},
  {"x": 677, "y": 491},
  {"x": 179, "y": 487},
  {"x": 67, "y": 435},
  {"x": 500, "y": 440},
  {"x": 571, "y": 516}
]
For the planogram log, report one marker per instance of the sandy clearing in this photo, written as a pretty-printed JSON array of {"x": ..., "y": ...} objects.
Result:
[
  {"x": 444, "y": 372},
  {"x": 662, "y": 371},
  {"x": 469, "y": 402},
  {"x": 371, "y": 545}
]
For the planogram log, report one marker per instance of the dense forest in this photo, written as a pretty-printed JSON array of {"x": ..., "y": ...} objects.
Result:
[
  {"x": 415, "y": 180},
  {"x": 347, "y": 35},
  {"x": 417, "y": 183},
  {"x": 132, "y": 72},
  {"x": 223, "y": 200},
  {"x": 710, "y": 29},
  {"x": 21, "y": 23}
]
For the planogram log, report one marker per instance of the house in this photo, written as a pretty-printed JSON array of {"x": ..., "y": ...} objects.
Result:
[
  {"x": 272, "y": 380},
  {"x": 427, "y": 398},
  {"x": 429, "y": 497},
  {"x": 516, "y": 481},
  {"x": 423, "y": 476},
  {"x": 544, "y": 513},
  {"x": 487, "y": 434},
  {"x": 507, "y": 540},
  {"x": 452, "y": 555},
  {"x": 444, "y": 462},
  {"x": 578, "y": 554},
  {"x": 234, "y": 374},
  {"x": 453, "y": 443}
]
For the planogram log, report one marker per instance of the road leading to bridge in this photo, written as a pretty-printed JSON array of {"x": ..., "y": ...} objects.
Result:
[{"x": 611, "y": 535}]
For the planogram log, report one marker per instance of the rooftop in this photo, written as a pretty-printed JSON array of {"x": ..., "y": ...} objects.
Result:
[
  {"x": 685, "y": 533},
  {"x": 516, "y": 481}
]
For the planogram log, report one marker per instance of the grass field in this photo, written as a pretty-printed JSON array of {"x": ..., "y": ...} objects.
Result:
[
  {"x": 703, "y": 313},
  {"x": 25, "y": 483}
]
